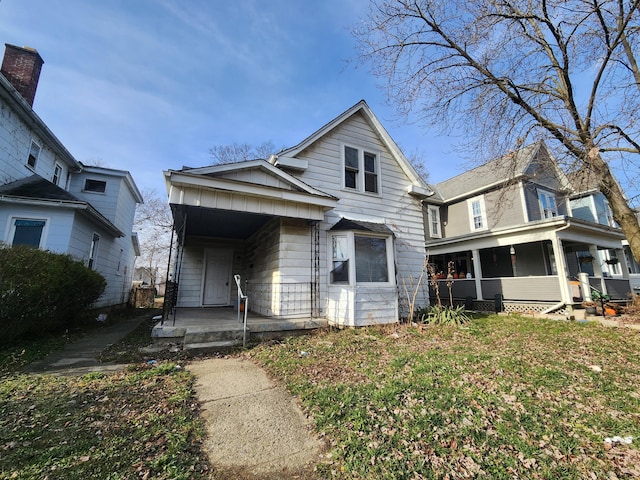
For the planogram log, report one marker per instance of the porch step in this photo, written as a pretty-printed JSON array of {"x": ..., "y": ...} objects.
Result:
[
  {"x": 204, "y": 335},
  {"x": 213, "y": 346}
]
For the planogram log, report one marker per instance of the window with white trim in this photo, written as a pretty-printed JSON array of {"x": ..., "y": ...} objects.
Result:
[
  {"x": 27, "y": 231},
  {"x": 96, "y": 186},
  {"x": 547, "y": 201},
  {"x": 361, "y": 170},
  {"x": 477, "y": 213},
  {"x": 93, "y": 251},
  {"x": 57, "y": 173},
  {"x": 434, "y": 221},
  {"x": 34, "y": 154},
  {"x": 371, "y": 254}
]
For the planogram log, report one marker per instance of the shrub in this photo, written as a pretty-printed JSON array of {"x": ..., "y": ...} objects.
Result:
[{"x": 43, "y": 292}]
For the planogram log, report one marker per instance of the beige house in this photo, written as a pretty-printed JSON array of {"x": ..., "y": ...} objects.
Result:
[{"x": 518, "y": 234}]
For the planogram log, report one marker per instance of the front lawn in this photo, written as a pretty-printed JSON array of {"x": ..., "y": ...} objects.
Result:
[{"x": 503, "y": 397}]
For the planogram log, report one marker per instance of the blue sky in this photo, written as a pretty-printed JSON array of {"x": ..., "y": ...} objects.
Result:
[{"x": 148, "y": 85}]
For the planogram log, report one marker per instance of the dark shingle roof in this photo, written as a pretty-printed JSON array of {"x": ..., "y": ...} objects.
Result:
[
  {"x": 493, "y": 172},
  {"x": 36, "y": 187}
]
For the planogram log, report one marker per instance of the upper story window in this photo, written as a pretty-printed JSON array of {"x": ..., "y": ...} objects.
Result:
[
  {"x": 434, "y": 222},
  {"x": 34, "y": 153},
  {"x": 97, "y": 186},
  {"x": 547, "y": 201},
  {"x": 57, "y": 173},
  {"x": 477, "y": 213},
  {"x": 361, "y": 259},
  {"x": 361, "y": 170}
]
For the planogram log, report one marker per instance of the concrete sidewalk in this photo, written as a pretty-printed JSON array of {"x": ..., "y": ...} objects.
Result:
[
  {"x": 254, "y": 426},
  {"x": 81, "y": 356}
]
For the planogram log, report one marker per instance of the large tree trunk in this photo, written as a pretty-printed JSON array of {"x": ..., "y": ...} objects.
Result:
[{"x": 622, "y": 213}]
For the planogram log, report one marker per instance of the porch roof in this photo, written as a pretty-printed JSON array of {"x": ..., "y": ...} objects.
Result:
[
  {"x": 566, "y": 228},
  {"x": 233, "y": 201}
]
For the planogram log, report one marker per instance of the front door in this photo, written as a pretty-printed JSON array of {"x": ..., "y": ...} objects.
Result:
[{"x": 217, "y": 277}]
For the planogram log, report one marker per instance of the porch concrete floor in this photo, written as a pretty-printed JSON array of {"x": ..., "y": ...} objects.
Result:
[{"x": 219, "y": 325}]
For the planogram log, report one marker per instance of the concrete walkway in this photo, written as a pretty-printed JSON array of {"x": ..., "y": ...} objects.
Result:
[
  {"x": 254, "y": 426},
  {"x": 81, "y": 356},
  {"x": 255, "y": 429}
]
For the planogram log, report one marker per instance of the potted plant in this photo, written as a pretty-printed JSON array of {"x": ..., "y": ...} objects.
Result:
[{"x": 590, "y": 307}]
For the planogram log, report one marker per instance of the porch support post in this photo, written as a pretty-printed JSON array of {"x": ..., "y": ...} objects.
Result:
[
  {"x": 623, "y": 263},
  {"x": 477, "y": 269},
  {"x": 597, "y": 267},
  {"x": 563, "y": 273}
]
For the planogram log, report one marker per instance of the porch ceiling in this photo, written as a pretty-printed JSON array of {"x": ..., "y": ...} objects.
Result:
[{"x": 207, "y": 222}]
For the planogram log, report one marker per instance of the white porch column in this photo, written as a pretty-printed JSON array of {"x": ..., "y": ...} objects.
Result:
[
  {"x": 563, "y": 274},
  {"x": 477, "y": 273},
  {"x": 623, "y": 263}
]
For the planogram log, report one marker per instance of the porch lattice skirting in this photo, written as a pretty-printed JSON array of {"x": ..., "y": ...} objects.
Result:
[{"x": 508, "y": 306}]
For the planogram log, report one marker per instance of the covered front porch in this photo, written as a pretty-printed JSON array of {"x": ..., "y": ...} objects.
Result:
[
  {"x": 549, "y": 266},
  {"x": 220, "y": 327}
]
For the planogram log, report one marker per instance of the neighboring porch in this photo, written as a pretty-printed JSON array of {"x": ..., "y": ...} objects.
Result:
[
  {"x": 222, "y": 327},
  {"x": 537, "y": 270}
]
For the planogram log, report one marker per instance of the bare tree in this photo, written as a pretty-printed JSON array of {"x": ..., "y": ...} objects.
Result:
[
  {"x": 239, "y": 152},
  {"x": 513, "y": 70},
  {"x": 153, "y": 222}
]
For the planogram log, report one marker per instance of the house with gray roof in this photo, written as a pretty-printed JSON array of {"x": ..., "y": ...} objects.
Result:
[
  {"x": 48, "y": 199},
  {"x": 517, "y": 234}
]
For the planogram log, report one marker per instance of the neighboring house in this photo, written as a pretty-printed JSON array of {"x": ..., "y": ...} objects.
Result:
[
  {"x": 330, "y": 228},
  {"x": 51, "y": 201},
  {"x": 519, "y": 231}
]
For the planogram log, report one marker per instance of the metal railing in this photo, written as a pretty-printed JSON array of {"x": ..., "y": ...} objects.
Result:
[
  {"x": 243, "y": 306},
  {"x": 292, "y": 299}
]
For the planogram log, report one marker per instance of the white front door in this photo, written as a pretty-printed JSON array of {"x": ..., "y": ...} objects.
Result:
[{"x": 217, "y": 277}]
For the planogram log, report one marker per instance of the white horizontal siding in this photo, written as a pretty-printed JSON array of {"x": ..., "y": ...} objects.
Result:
[{"x": 394, "y": 206}]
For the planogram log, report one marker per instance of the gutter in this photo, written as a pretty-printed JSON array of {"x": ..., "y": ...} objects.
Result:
[{"x": 83, "y": 207}]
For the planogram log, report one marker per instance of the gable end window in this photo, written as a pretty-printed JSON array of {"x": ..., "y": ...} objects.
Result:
[
  {"x": 547, "y": 201},
  {"x": 477, "y": 214},
  {"x": 96, "y": 186},
  {"x": 361, "y": 170},
  {"x": 34, "y": 153}
]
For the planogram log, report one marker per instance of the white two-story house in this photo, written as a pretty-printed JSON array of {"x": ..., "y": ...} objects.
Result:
[
  {"x": 48, "y": 199},
  {"x": 330, "y": 228}
]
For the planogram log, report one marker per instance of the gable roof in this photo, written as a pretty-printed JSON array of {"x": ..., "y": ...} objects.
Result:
[
  {"x": 495, "y": 173},
  {"x": 37, "y": 191},
  {"x": 420, "y": 186},
  {"x": 223, "y": 170}
]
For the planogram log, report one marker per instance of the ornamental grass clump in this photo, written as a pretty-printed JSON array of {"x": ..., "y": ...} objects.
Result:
[{"x": 440, "y": 314}]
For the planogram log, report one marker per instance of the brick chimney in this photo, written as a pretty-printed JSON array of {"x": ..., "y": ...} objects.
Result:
[{"x": 21, "y": 66}]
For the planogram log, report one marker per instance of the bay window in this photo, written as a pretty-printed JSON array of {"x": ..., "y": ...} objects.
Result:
[{"x": 361, "y": 258}]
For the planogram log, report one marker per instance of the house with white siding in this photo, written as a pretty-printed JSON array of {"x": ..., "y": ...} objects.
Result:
[
  {"x": 48, "y": 199},
  {"x": 517, "y": 234},
  {"x": 331, "y": 228}
]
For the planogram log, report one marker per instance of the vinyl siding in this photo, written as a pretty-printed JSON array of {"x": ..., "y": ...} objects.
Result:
[
  {"x": 392, "y": 206},
  {"x": 15, "y": 143}
]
